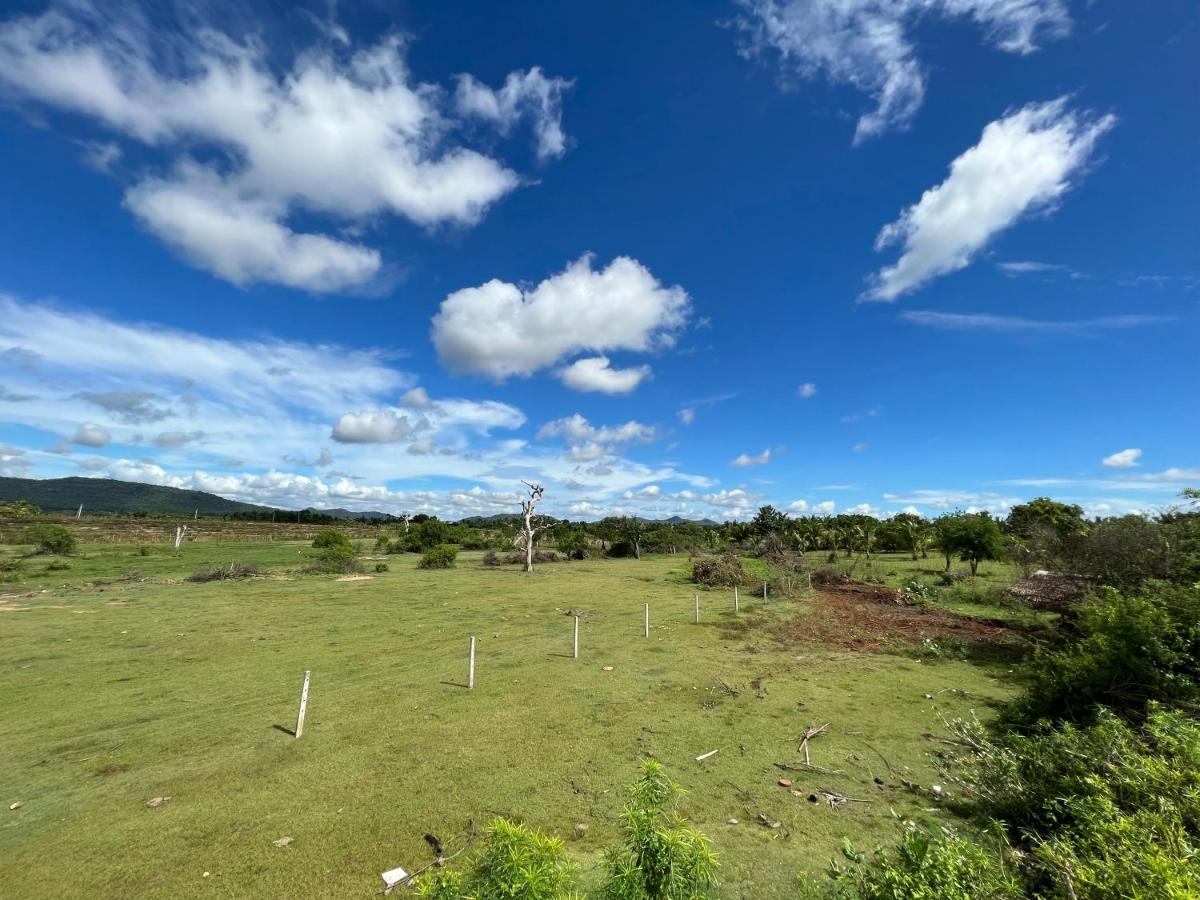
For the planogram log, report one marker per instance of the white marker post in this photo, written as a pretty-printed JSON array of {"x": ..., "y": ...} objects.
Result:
[
  {"x": 764, "y": 592},
  {"x": 575, "y": 646},
  {"x": 735, "y": 600},
  {"x": 696, "y": 606},
  {"x": 79, "y": 514},
  {"x": 647, "y": 620},
  {"x": 303, "y": 705},
  {"x": 471, "y": 665}
]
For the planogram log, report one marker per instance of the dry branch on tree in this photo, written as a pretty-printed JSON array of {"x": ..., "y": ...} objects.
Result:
[{"x": 530, "y": 528}]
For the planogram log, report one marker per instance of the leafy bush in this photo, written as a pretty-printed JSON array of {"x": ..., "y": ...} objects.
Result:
[
  {"x": 50, "y": 539},
  {"x": 1125, "y": 651},
  {"x": 1106, "y": 810},
  {"x": 381, "y": 567},
  {"x": 492, "y": 558},
  {"x": 663, "y": 857},
  {"x": 11, "y": 570},
  {"x": 945, "y": 867},
  {"x": 57, "y": 565},
  {"x": 718, "y": 571},
  {"x": 333, "y": 539},
  {"x": 573, "y": 543},
  {"x": 439, "y": 557},
  {"x": 18, "y": 509},
  {"x": 621, "y": 550},
  {"x": 516, "y": 862}
]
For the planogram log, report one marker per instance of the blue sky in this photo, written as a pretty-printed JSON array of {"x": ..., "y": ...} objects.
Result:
[{"x": 664, "y": 258}]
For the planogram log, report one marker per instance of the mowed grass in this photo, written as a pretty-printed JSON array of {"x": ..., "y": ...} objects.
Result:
[{"x": 114, "y": 694}]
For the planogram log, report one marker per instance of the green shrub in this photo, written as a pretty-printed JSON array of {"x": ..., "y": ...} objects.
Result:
[
  {"x": 1124, "y": 652},
  {"x": 1113, "y": 808},
  {"x": 333, "y": 539},
  {"x": 11, "y": 570},
  {"x": 663, "y": 857},
  {"x": 439, "y": 557},
  {"x": 57, "y": 565},
  {"x": 718, "y": 571},
  {"x": 50, "y": 539},
  {"x": 381, "y": 567},
  {"x": 944, "y": 867},
  {"x": 18, "y": 509},
  {"x": 516, "y": 862}
]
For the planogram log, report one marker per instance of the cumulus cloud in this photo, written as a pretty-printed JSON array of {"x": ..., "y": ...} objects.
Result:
[
  {"x": 1122, "y": 459},
  {"x": 525, "y": 95},
  {"x": 498, "y": 330},
  {"x": 686, "y": 416},
  {"x": 375, "y": 426},
  {"x": 824, "y": 508},
  {"x": 417, "y": 398},
  {"x": 745, "y": 459},
  {"x": 576, "y": 431},
  {"x": 1023, "y": 163},
  {"x": 798, "y": 506},
  {"x": 391, "y": 425},
  {"x": 594, "y": 373},
  {"x": 91, "y": 435},
  {"x": 737, "y": 498},
  {"x": 341, "y": 133},
  {"x": 807, "y": 390},
  {"x": 867, "y": 45}
]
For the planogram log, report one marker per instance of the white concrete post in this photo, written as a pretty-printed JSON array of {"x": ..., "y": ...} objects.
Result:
[
  {"x": 471, "y": 665},
  {"x": 303, "y": 705},
  {"x": 575, "y": 646}
]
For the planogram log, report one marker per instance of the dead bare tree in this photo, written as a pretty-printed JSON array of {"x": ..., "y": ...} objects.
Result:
[
  {"x": 530, "y": 528},
  {"x": 405, "y": 518}
]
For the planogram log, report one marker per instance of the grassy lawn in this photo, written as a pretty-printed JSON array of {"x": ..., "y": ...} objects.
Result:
[{"x": 119, "y": 691}]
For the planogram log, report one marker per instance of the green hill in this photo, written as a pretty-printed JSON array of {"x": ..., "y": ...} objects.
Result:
[{"x": 112, "y": 496}]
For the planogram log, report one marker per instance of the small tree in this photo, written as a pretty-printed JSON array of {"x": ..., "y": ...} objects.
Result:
[
  {"x": 632, "y": 529},
  {"x": 439, "y": 557},
  {"x": 50, "y": 539},
  {"x": 663, "y": 857},
  {"x": 975, "y": 537}
]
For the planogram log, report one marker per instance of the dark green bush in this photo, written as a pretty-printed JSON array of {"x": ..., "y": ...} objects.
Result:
[
  {"x": 662, "y": 856},
  {"x": 1123, "y": 651},
  {"x": 50, "y": 539},
  {"x": 57, "y": 565},
  {"x": 1111, "y": 808},
  {"x": 381, "y": 567},
  {"x": 439, "y": 557},
  {"x": 333, "y": 539}
]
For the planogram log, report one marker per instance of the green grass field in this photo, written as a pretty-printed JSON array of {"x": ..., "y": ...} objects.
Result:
[{"x": 119, "y": 691}]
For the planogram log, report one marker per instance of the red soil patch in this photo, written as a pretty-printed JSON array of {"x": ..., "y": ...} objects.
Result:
[{"x": 857, "y": 616}]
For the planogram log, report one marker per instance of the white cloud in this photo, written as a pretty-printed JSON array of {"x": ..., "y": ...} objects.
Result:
[
  {"x": 417, "y": 398},
  {"x": 524, "y": 95},
  {"x": 347, "y": 135},
  {"x": 866, "y": 43},
  {"x": 871, "y": 413},
  {"x": 499, "y": 330},
  {"x": 806, "y": 390},
  {"x": 577, "y": 432},
  {"x": 799, "y": 506},
  {"x": 938, "y": 499},
  {"x": 738, "y": 498},
  {"x": 1122, "y": 459},
  {"x": 1019, "y": 325},
  {"x": 1023, "y": 163},
  {"x": 686, "y": 416},
  {"x": 173, "y": 440},
  {"x": 91, "y": 435},
  {"x": 594, "y": 373},
  {"x": 374, "y": 426},
  {"x": 1030, "y": 267},
  {"x": 859, "y": 448},
  {"x": 825, "y": 508},
  {"x": 745, "y": 459}
]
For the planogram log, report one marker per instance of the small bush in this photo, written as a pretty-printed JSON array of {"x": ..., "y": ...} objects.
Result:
[
  {"x": 944, "y": 867},
  {"x": 440, "y": 557},
  {"x": 492, "y": 558},
  {"x": 57, "y": 565},
  {"x": 620, "y": 549},
  {"x": 516, "y": 862},
  {"x": 663, "y": 857},
  {"x": 381, "y": 567},
  {"x": 333, "y": 565},
  {"x": 333, "y": 539},
  {"x": 11, "y": 570},
  {"x": 718, "y": 571},
  {"x": 50, "y": 539},
  {"x": 222, "y": 573}
]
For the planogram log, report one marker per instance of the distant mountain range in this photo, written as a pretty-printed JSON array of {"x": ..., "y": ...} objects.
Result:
[{"x": 107, "y": 495}]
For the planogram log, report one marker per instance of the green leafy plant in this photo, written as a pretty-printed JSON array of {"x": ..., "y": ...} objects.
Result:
[
  {"x": 439, "y": 557},
  {"x": 50, "y": 539},
  {"x": 663, "y": 857}
]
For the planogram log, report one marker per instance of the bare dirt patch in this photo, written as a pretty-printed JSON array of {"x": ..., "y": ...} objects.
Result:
[
  {"x": 9, "y": 606},
  {"x": 857, "y": 616},
  {"x": 355, "y": 578}
]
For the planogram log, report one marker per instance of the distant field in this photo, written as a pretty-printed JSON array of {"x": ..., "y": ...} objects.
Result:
[{"x": 122, "y": 684}]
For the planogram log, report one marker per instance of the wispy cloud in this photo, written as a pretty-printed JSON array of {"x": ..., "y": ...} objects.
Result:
[{"x": 1017, "y": 324}]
